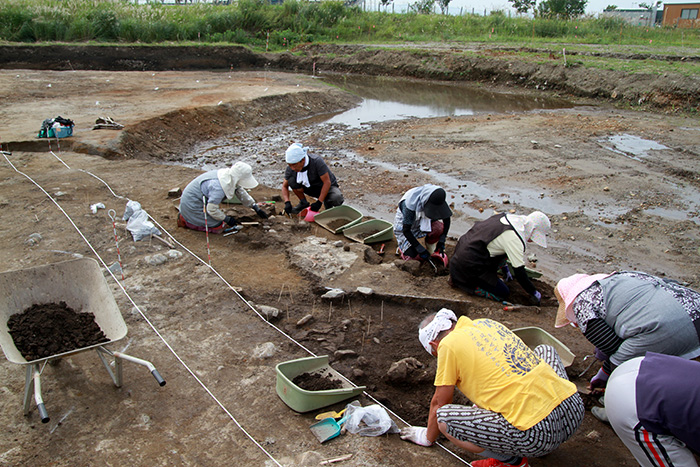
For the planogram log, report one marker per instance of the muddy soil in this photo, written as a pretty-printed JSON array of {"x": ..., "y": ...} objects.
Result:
[{"x": 215, "y": 316}]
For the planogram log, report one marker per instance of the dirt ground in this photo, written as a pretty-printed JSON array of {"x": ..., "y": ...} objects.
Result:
[{"x": 209, "y": 331}]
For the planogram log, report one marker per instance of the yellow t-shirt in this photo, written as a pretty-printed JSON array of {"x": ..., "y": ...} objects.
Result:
[{"x": 498, "y": 372}]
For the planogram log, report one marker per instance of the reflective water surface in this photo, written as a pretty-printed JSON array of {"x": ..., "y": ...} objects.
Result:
[{"x": 395, "y": 99}]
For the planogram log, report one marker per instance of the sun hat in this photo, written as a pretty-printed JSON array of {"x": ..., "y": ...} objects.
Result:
[
  {"x": 239, "y": 174},
  {"x": 567, "y": 290},
  {"x": 443, "y": 320},
  {"x": 535, "y": 226},
  {"x": 295, "y": 153},
  {"x": 436, "y": 207}
]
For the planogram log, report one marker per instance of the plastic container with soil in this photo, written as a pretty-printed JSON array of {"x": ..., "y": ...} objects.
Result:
[
  {"x": 302, "y": 400},
  {"x": 371, "y": 231},
  {"x": 338, "y": 218},
  {"x": 533, "y": 336}
]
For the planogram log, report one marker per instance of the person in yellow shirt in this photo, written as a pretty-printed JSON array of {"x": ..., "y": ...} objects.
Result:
[{"x": 524, "y": 405}]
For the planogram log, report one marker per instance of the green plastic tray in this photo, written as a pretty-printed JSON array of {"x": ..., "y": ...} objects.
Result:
[
  {"x": 533, "y": 336},
  {"x": 384, "y": 234},
  {"x": 301, "y": 400},
  {"x": 347, "y": 213}
]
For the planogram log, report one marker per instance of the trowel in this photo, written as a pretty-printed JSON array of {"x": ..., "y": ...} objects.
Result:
[{"x": 331, "y": 414}]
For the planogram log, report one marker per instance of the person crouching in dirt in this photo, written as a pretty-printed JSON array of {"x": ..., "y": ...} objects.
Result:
[
  {"x": 626, "y": 314},
  {"x": 524, "y": 405},
  {"x": 482, "y": 252},
  {"x": 423, "y": 212},
  {"x": 214, "y": 186},
  {"x": 308, "y": 174},
  {"x": 654, "y": 405}
]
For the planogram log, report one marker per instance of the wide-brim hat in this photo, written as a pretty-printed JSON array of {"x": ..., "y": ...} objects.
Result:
[
  {"x": 239, "y": 174},
  {"x": 436, "y": 207},
  {"x": 567, "y": 290}
]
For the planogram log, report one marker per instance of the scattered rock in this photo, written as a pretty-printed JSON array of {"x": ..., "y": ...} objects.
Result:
[
  {"x": 174, "y": 192},
  {"x": 269, "y": 312},
  {"x": 593, "y": 435},
  {"x": 333, "y": 293},
  {"x": 410, "y": 266},
  {"x": 155, "y": 260},
  {"x": 265, "y": 350},
  {"x": 33, "y": 239},
  {"x": 401, "y": 371},
  {"x": 365, "y": 290},
  {"x": 372, "y": 257},
  {"x": 346, "y": 353},
  {"x": 305, "y": 320},
  {"x": 174, "y": 254}
]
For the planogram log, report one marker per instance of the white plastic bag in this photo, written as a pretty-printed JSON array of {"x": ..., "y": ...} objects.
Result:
[
  {"x": 372, "y": 420},
  {"x": 137, "y": 222}
]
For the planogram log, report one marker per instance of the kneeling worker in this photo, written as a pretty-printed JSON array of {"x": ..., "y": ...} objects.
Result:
[
  {"x": 524, "y": 405},
  {"x": 308, "y": 175},
  {"x": 214, "y": 186}
]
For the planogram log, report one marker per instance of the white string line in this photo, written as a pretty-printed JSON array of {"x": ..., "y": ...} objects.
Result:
[
  {"x": 189, "y": 370},
  {"x": 264, "y": 319}
]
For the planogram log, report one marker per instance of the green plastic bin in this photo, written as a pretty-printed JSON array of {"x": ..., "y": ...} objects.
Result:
[
  {"x": 533, "y": 336},
  {"x": 384, "y": 231},
  {"x": 301, "y": 400},
  {"x": 350, "y": 215}
]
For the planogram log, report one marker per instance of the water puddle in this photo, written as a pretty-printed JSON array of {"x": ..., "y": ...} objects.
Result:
[
  {"x": 397, "y": 99},
  {"x": 631, "y": 146}
]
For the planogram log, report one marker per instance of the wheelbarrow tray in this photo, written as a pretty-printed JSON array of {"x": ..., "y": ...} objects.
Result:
[
  {"x": 384, "y": 231},
  {"x": 79, "y": 283},
  {"x": 534, "y": 336},
  {"x": 302, "y": 400},
  {"x": 350, "y": 215}
]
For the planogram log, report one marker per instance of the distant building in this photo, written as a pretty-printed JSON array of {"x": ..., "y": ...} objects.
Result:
[
  {"x": 682, "y": 15},
  {"x": 635, "y": 16}
]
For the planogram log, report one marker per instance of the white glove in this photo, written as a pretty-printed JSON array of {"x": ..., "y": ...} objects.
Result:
[{"x": 416, "y": 434}]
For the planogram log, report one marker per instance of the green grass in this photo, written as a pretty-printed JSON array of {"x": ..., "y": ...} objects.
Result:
[{"x": 277, "y": 27}]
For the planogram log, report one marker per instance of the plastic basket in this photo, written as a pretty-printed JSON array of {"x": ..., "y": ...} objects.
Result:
[{"x": 301, "y": 400}]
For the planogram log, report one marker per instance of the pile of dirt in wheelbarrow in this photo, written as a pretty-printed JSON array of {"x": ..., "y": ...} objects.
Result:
[{"x": 43, "y": 330}]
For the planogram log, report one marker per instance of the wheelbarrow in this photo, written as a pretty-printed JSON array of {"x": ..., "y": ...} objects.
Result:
[{"x": 82, "y": 286}]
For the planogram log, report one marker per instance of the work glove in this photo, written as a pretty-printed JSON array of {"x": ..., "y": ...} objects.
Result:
[
  {"x": 424, "y": 255},
  {"x": 315, "y": 207},
  {"x": 416, "y": 434},
  {"x": 440, "y": 247},
  {"x": 599, "y": 381},
  {"x": 536, "y": 297},
  {"x": 262, "y": 214},
  {"x": 507, "y": 274},
  {"x": 230, "y": 220},
  {"x": 287, "y": 207},
  {"x": 600, "y": 355}
]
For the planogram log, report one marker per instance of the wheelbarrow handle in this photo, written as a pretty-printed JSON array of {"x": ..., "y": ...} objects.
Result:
[
  {"x": 158, "y": 377},
  {"x": 43, "y": 413}
]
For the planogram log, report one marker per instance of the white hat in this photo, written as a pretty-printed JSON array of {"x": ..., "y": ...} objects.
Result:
[
  {"x": 535, "y": 226},
  {"x": 239, "y": 175},
  {"x": 295, "y": 153}
]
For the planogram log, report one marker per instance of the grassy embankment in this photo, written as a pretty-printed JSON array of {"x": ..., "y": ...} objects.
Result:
[{"x": 279, "y": 27}]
